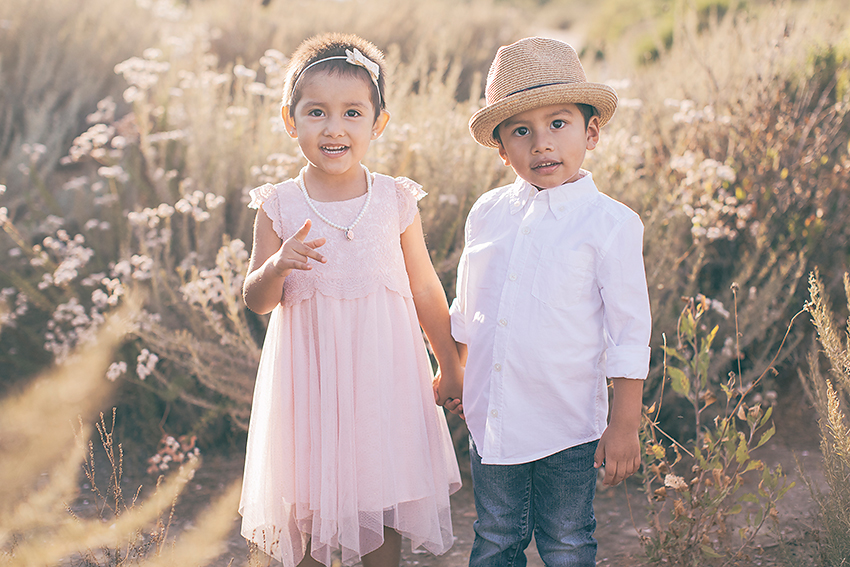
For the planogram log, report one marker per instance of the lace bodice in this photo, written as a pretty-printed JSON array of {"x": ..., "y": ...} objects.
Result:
[{"x": 354, "y": 268}]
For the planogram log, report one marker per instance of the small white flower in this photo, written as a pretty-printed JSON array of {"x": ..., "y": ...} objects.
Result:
[{"x": 675, "y": 482}]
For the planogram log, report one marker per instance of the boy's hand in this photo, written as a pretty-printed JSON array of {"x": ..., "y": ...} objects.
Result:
[
  {"x": 455, "y": 406},
  {"x": 619, "y": 451}
]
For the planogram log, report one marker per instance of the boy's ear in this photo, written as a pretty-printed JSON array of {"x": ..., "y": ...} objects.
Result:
[
  {"x": 592, "y": 132},
  {"x": 504, "y": 154},
  {"x": 380, "y": 123},
  {"x": 288, "y": 121}
]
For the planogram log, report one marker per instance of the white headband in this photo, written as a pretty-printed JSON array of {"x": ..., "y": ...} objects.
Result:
[{"x": 354, "y": 58}]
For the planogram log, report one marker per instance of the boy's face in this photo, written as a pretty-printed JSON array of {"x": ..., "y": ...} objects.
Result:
[{"x": 546, "y": 145}]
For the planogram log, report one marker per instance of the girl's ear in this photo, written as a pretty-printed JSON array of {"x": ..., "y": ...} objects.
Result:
[
  {"x": 380, "y": 123},
  {"x": 288, "y": 121}
]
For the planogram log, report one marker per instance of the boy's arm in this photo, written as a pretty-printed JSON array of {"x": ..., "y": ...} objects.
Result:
[{"x": 619, "y": 446}]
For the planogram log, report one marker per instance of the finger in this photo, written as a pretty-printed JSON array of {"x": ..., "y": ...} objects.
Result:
[
  {"x": 307, "y": 251},
  {"x": 302, "y": 232},
  {"x": 599, "y": 456},
  {"x": 301, "y": 249},
  {"x": 610, "y": 474},
  {"x": 315, "y": 243}
]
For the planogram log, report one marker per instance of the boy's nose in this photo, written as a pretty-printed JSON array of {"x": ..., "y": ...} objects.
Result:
[{"x": 542, "y": 142}]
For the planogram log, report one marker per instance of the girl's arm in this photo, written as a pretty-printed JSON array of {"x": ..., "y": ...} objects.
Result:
[
  {"x": 432, "y": 310},
  {"x": 272, "y": 260}
]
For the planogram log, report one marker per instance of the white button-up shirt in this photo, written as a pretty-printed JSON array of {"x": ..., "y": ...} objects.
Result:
[{"x": 551, "y": 300}]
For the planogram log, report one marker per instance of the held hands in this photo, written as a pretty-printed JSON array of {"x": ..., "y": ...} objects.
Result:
[
  {"x": 295, "y": 252},
  {"x": 619, "y": 451},
  {"x": 448, "y": 389}
]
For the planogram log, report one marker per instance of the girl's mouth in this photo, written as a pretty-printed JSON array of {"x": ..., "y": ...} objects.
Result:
[{"x": 334, "y": 150}]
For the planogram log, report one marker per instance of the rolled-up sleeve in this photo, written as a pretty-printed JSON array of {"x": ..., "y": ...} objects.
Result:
[
  {"x": 457, "y": 310},
  {"x": 627, "y": 319}
]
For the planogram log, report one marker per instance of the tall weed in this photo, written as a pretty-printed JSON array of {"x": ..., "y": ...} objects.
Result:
[{"x": 830, "y": 394}]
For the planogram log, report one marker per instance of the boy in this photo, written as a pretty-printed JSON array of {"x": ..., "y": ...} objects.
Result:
[{"x": 551, "y": 300}]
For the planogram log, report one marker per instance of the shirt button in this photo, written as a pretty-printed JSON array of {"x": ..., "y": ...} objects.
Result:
[
  {"x": 525, "y": 230},
  {"x": 497, "y": 367},
  {"x": 512, "y": 277},
  {"x": 503, "y": 322},
  {"x": 561, "y": 209},
  {"x": 494, "y": 413}
]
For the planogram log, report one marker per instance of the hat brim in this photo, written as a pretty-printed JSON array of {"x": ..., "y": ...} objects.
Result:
[{"x": 600, "y": 96}]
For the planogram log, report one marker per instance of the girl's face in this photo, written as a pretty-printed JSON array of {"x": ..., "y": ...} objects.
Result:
[{"x": 334, "y": 123}]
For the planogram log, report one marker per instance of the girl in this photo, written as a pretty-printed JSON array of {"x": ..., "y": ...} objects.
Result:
[{"x": 346, "y": 448}]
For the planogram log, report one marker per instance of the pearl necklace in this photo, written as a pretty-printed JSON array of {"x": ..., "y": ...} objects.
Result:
[{"x": 347, "y": 230}]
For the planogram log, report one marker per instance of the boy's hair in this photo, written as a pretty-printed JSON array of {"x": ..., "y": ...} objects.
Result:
[
  {"x": 333, "y": 45},
  {"x": 587, "y": 112}
]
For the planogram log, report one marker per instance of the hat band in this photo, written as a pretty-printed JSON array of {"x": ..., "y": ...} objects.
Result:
[{"x": 537, "y": 87}]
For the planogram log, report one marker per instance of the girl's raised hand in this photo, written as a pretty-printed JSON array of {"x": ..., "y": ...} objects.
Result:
[{"x": 295, "y": 252}]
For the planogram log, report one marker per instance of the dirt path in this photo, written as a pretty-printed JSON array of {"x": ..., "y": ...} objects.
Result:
[{"x": 618, "y": 511}]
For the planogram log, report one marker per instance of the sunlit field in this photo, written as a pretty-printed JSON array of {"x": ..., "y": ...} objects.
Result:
[{"x": 131, "y": 132}]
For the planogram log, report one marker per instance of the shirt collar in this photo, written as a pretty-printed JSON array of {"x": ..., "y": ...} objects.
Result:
[{"x": 562, "y": 199}]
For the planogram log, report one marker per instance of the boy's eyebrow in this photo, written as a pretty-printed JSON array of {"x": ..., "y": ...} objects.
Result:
[{"x": 556, "y": 112}]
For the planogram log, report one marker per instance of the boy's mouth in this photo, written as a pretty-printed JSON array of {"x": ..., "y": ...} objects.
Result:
[
  {"x": 334, "y": 150},
  {"x": 545, "y": 165}
]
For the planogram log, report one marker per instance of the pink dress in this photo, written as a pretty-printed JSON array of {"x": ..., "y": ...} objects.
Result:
[{"x": 344, "y": 436}]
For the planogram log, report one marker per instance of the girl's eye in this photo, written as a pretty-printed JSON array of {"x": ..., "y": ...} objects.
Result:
[
  {"x": 315, "y": 112},
  {"x": 521, "y": 131},
  {"x": 352, "y": 113},
  {"x": 558, "y": 124}
]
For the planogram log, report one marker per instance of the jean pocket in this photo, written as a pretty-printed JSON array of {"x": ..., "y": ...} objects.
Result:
[{"x": 563, "y": 278}]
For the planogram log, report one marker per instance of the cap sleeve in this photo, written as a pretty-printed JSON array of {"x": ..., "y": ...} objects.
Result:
[
  {"x": 409, "y": 193},
  {"x": 266, "y": 197}
]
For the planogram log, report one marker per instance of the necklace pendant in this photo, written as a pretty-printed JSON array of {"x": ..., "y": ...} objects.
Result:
[{"x": 349, "y": 234}]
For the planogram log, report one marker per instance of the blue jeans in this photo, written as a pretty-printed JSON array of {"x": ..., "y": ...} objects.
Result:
[{"x": 551, "y": 498}]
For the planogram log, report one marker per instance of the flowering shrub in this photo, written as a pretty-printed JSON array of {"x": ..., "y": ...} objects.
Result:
[{"x": 696, "y": 490}]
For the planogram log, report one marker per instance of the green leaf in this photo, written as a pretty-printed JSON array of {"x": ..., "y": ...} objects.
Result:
[
  {"x": 736, "y": 509},
  {"x": 785, "y": 489},
  {"x": 709, "y": 552},
  {"x": 743, "y": 453},
  {"x": 706, "y": 342},
  {"x": 766, "y": 416},
  {"x": 688, "y": 325},
  {"x": 749, "y": 497},
  {"x": 766, "y": 436},
  {"x": 674, "y": 353},
  {"x": 702, "y": 368},
  {"x": 679, "y": 381}
]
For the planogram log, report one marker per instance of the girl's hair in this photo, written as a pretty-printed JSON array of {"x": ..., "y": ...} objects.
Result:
[{"x": 333, "y": 45}]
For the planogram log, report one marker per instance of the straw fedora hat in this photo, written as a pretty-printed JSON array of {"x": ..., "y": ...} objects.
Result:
[{"x": 535, "y": 72}]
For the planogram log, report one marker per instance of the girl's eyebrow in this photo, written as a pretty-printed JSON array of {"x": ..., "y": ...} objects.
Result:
[{"x": 356, "y": 104}]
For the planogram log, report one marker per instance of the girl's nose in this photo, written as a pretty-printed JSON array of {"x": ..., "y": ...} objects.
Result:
[{"x": 333, "y": 127}]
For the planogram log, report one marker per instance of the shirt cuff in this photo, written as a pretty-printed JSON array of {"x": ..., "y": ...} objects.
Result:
[
  {"x": 458, "y": 322},
  {"x": 627, "y": 362}
]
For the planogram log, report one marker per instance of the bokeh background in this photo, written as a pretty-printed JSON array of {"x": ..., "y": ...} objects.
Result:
[{"x": 132, "y": 130}]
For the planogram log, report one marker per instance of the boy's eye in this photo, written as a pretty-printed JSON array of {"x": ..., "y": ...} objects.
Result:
[
  {"x": 558, "y": 124},
  {"x": 521, "y": 131}
]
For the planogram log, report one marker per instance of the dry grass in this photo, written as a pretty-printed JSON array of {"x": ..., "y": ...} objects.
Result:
[
  {"x": 732, "y": 145},
  {"x": 830, "y": 395}
]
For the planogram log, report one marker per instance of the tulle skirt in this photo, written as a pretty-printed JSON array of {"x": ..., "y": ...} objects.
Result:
[{"x": 345, "y": 437}]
